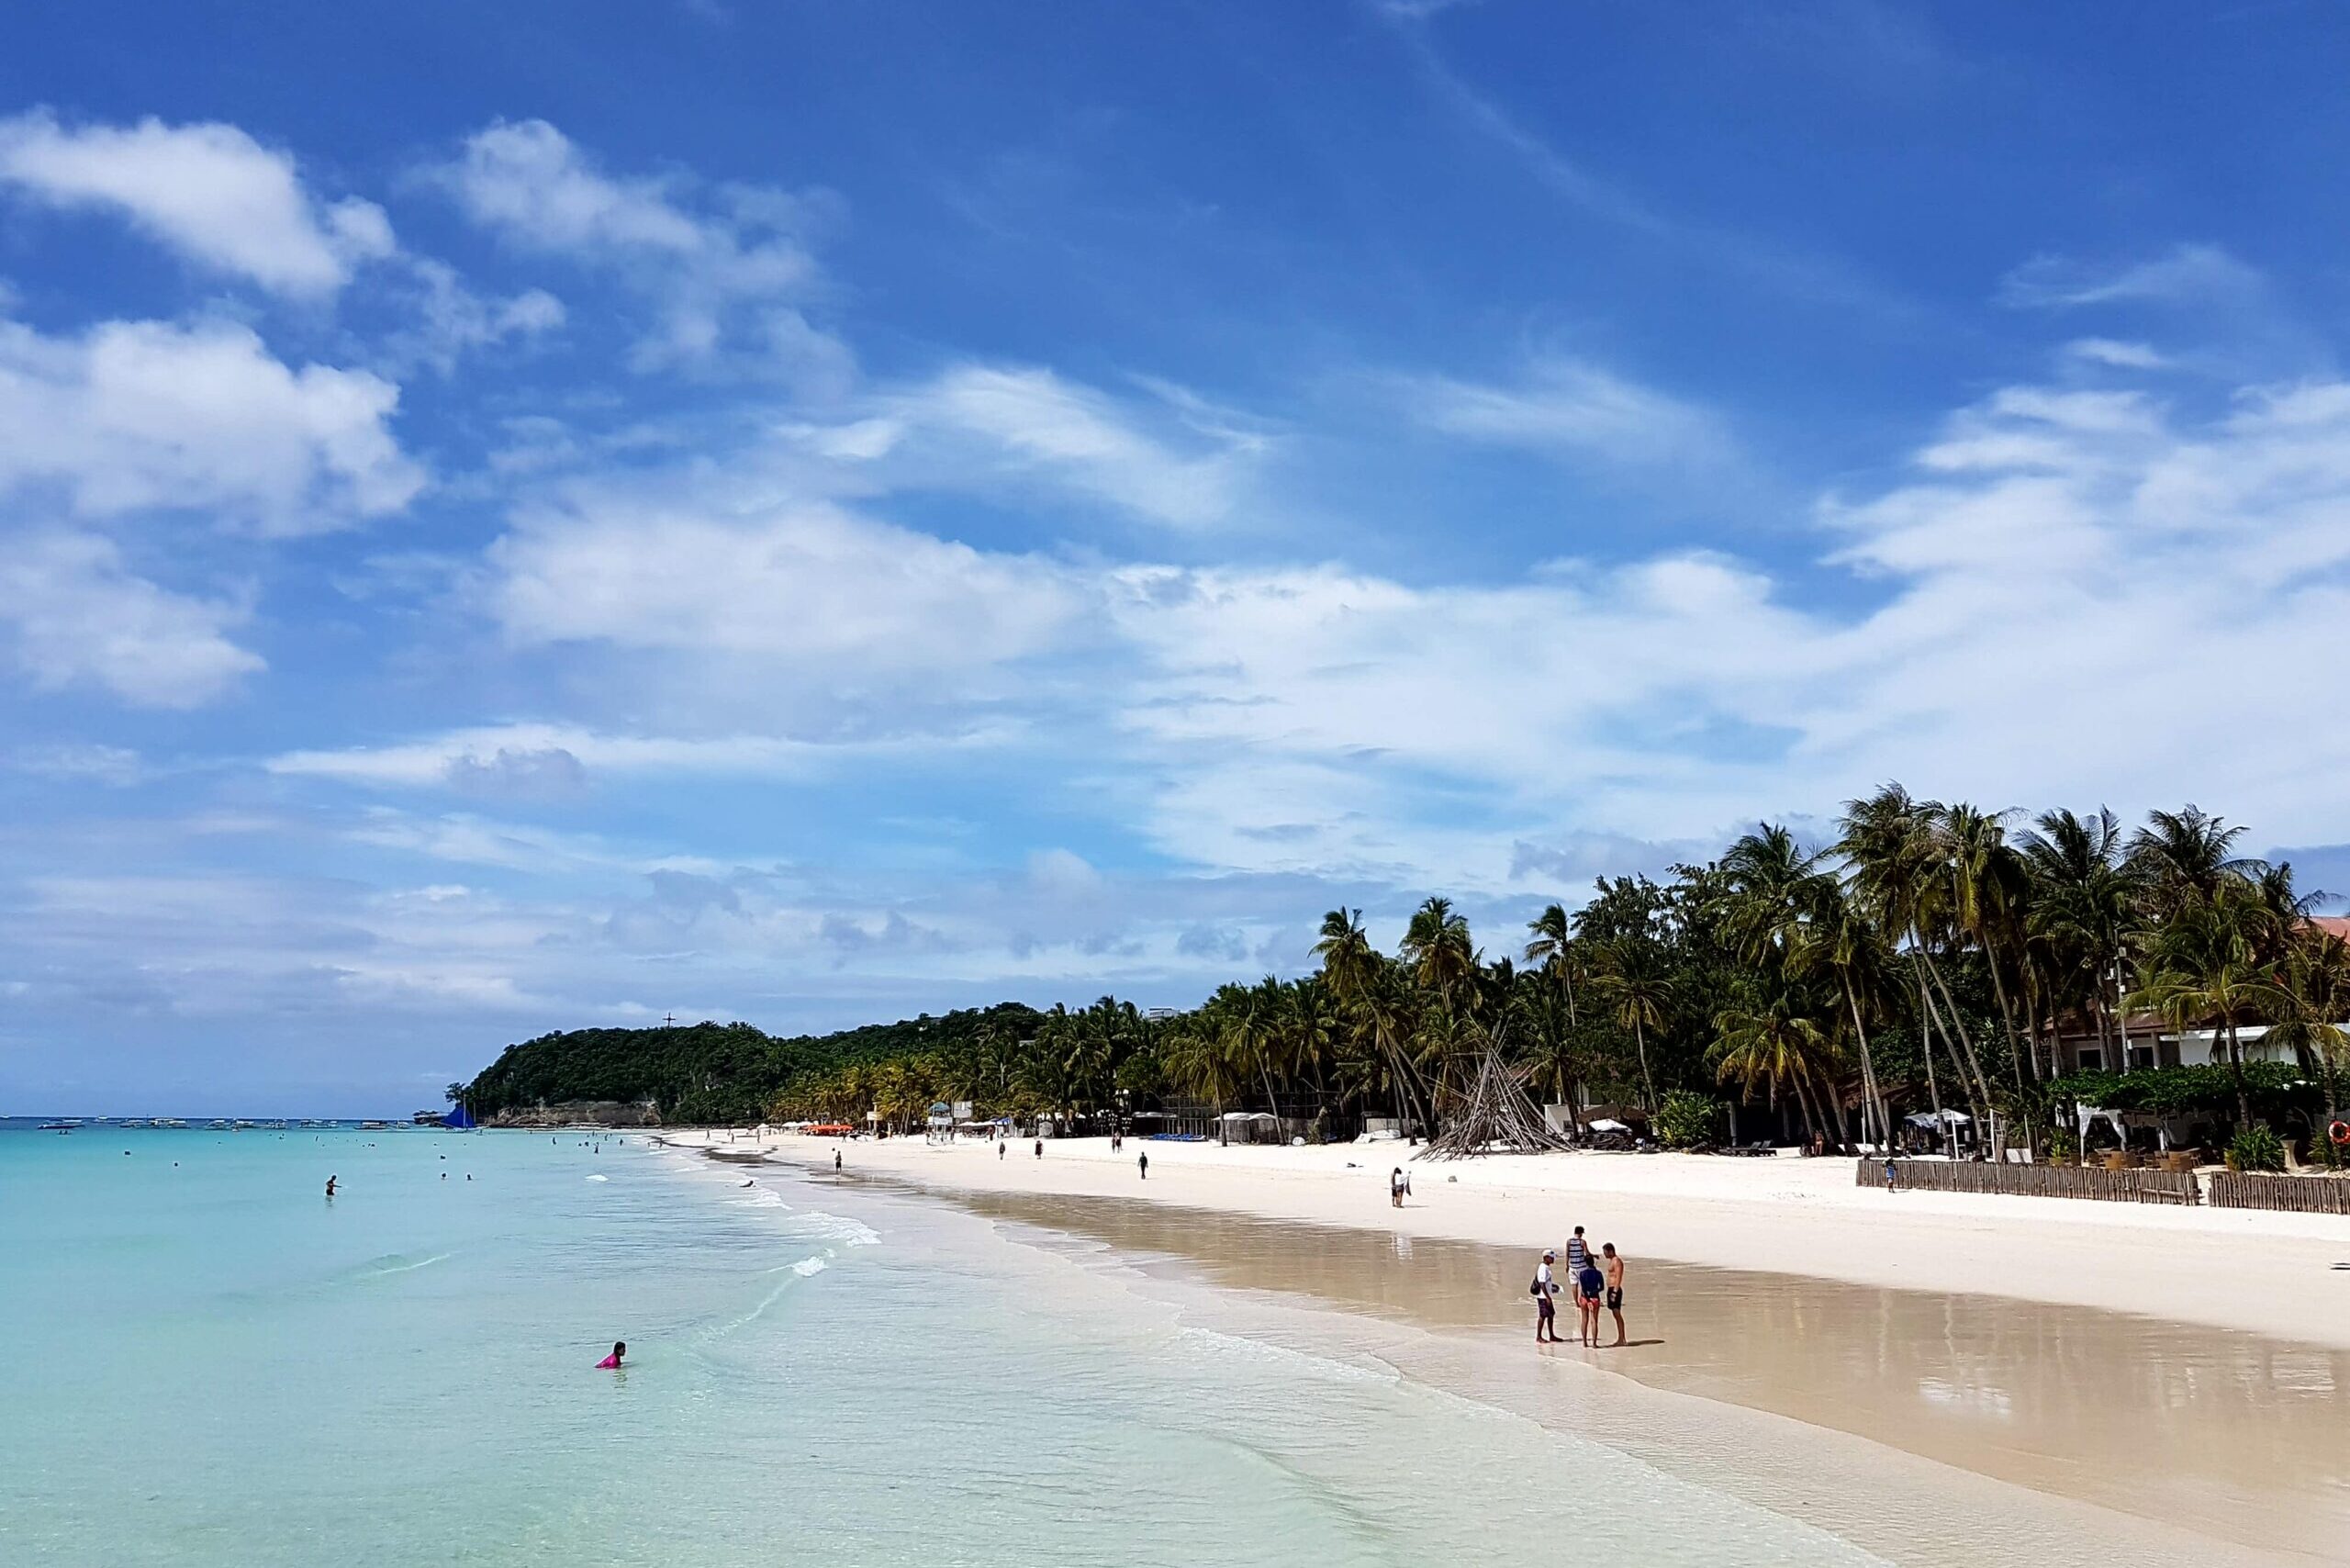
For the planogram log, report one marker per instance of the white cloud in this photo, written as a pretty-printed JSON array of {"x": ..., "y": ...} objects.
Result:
[
  {"x": 1567, "y": 409},
  {"x": 115, "y": 766},
  {"x": 2080, "y": 597},
  {"x": 2117, "y": 354},
  {"x": 207, "y": 190},
  {"x": 809, "y": 585},
  {"x": 720, "y": 268},
  {"x": 978, "y": 425},
  {"x": 134, "y": 415},
  {"x": 2187, "y": 275},
  {"x": 523, "y": 754},
  {"x": 452, "y": 321},
  {"x": 73, "y": 615}
]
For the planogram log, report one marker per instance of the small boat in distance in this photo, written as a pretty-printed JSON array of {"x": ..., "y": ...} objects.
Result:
[{"x": 59, "y": 1127}]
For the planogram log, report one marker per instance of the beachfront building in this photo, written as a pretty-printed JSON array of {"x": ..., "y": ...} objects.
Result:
[{"x": 2152, "y": 1042}]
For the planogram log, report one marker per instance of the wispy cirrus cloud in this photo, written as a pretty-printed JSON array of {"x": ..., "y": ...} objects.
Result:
[
  {"x": 1570, "y": 408},
  {"x": 2187, "y": 275}
]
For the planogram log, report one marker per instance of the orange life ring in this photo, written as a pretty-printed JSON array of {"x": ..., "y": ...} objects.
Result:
[{"x": 2340, "y": 1133}]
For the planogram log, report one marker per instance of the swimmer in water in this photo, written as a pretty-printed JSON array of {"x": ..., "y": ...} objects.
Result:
[
  {"x": 331, "y": 1181},
  {"x": 612, "y": 1362}
]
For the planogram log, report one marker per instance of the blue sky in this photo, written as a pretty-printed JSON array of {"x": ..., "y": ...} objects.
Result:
[{"x": 524, "y": 516}]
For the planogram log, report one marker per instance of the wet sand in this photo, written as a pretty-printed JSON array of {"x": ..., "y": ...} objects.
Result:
[{"x": 2235, "y": 1438}]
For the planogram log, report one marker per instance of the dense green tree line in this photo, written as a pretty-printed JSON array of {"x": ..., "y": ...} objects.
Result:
[{"x": 1927, "y": 957}]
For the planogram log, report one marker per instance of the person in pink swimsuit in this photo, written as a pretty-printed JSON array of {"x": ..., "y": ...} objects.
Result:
[{"x": 612, "y": 1362}]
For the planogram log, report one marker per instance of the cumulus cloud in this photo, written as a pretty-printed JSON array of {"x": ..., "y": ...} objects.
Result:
[
  {"x": 135, "y": 415},
  {"x": 208, "y": 191},
  {"x": 808, "y": 583},
  {"x": 724, "y": 267},
  {"x": 73, "y": 614}
]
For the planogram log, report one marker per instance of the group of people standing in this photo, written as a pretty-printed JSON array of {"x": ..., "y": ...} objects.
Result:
[{"x": 1594, "y": 1280}]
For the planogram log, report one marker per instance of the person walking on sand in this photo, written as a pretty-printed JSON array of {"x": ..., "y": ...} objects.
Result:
[
  {"x": 836, "y": 1162},
  {"x": 1546, "y": 1304},
  {"x": 1892, "y": 1174},
  {"x": 1000, "y": 1148},
  {"x": 1040, "y": 1149},
  {"x": 1395, "y": 1188},
  {"x": 1614, "y": 1289},
  {"x": 1142, "y": 1163}
]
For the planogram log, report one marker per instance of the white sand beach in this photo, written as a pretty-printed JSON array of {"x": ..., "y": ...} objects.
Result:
[{"x": 2269, "y": 1273}]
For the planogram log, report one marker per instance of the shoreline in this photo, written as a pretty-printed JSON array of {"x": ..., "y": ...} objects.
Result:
[
  {"x": 2253, "y": 1270},
  {"x": 1881, "y": 1419}
]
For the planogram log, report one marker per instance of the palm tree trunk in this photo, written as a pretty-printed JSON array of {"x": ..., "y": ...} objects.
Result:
[
  {"x": 1640, "y": 1040},
  {"x": 2236, "y": 1071},
  {"x": 1926, "y": 1053},
  {"x": 1966, "y": 1037},
  {"x": 2007, "y": 1013},
  {"x": 1868, "y": 1071}
]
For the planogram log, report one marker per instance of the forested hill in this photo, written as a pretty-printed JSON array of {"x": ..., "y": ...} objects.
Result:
[{"x": 712, "y": 1072}]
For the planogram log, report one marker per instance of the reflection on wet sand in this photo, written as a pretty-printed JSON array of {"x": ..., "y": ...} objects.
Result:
[{"x": 2234, "y": 1436}]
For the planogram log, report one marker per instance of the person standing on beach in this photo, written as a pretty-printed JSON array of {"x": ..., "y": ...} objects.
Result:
[
  {"x": 836, "y": 1162},
  {"x": 1142, "y": 1163},
  {"x": 1578, "y": 1255},
  {"x": 1546, "y": 1304},
  {"x": 1892, "y": 1174},
  {"x": 1395, "y": 1188},
  {"x": 1614, "y": 1289},
  {"x": 1588, "y": 1285},
  {"x": 1040, "y": 1149},
  {"x": 1000, "y": 1148}
]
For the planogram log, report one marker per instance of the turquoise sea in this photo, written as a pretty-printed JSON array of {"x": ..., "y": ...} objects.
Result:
[{"x": 211, "y": 1363}]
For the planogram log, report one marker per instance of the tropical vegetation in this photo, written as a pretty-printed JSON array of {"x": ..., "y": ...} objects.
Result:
[{"x": 1926, "y": 960}]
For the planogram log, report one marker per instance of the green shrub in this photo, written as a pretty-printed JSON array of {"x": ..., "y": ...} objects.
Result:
[
  {"x": 1688, "y": 1121},
  {"x": 2256, "y": 1148}
]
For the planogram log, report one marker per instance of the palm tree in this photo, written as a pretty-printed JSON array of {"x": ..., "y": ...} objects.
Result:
[
  {"x": 1442, "y": 959},
  {"x": 1363, "y": 984},
  {"x": 1631, "y": 977},
  {"x": 1857, "y": 953},
  {"x": 2203, "y": 965},
  {"x": 1898, "y": 866},
  {"x": 1988, "y": 892},
  {"x": 2083, "y": 918},
  {"x": 1552, "y": 949},
  {"x": 2316, "y": 983},
  {"x": 2183, "y": 855},
  {"x": 1774, "y": 1047},
  {"x": 1199, "y": 1061}
]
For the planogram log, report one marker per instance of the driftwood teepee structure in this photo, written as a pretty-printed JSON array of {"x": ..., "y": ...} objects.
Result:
[{"x": 1496, "y": 1110}]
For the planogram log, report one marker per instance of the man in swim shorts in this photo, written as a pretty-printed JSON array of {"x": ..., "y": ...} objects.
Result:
[{"x": 1614, "y": 1289}]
